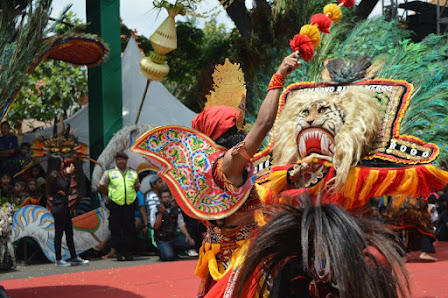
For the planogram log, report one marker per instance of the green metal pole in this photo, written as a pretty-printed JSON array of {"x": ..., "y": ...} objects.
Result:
[{"x": 105, "y": 100}]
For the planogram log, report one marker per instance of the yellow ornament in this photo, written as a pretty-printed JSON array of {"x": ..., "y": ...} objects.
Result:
[
  {"x": 229, "y": 89},
  {"x": 333, "y": 11},
  {"x": 313, "y": 34}
]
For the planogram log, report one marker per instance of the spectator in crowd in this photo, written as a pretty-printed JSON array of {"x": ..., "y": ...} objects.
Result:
[
  {"x": 5, "y": 185},
  {"x": 121, "y": 185},
  {"x": 58, "y": 189},
  {"x": 442, "y": 224},
  {"x": 24, "y": 155},
  {"x": 8, "y": 148},
  {"x": 196, "y": 230},
  {"x": 33, "y": 192},
  {"x": 166, "y": 218},
  {"x": 20, "y": 193},
  {"x": 36, "y": 171},
  {"x": 152, "y": 199},
  {"x": 141, "y": 217},
  {"x": 432, "y": 210}
]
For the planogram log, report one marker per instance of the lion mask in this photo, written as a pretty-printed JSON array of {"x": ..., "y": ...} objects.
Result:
[{"x": 342, "y": 126}]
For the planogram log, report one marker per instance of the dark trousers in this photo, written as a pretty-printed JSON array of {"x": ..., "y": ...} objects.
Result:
[
  {"x": 168, "y": 249},
  {"x": 196, "y": 230},
  {"x": 426, "y": 244},
  {"x": 122, "y": 229},
  {"x": 63, "y": 223}
]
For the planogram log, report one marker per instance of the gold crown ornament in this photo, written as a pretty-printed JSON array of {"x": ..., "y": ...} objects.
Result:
[{"x": 229, "y": 89}]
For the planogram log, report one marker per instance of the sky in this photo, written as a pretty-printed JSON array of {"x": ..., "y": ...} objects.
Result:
[{"x": 140, "y": 14}]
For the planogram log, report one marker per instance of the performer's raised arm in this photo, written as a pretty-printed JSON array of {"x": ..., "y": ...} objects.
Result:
[{"x": 236, "y": 159}]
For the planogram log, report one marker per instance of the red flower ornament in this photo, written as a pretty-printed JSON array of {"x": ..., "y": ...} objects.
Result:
[
  {"x": 322, "y": 22},
  {"x": 304, "y": 45},
  {"x": 347, "y": 3}
]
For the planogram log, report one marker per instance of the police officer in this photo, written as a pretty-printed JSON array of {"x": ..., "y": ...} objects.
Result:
[{"x": 121, "y": 184}]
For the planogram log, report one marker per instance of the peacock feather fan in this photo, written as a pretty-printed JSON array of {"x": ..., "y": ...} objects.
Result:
[
  {"x": 423, "y": 64},
  {"x": 27, "y": 38},
  {"x": 396, "y": 56}
]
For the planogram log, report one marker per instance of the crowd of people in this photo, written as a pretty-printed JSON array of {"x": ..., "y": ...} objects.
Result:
[
  {"x": 23, "y": 181},
  {"x": 22, "y": 178},
  {"x": 153, "y": 213}
]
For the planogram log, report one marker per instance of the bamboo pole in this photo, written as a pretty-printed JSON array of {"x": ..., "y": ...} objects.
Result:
[{"x": 143, "y": 100}]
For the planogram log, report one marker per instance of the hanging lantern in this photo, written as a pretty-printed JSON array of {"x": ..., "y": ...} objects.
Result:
[
  {"x": 154, "y": 67},
  {"x": 163, "y": 41}
]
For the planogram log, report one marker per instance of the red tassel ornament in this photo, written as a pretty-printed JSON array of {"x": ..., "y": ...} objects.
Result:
[
  {"x": 347, "y": 3},
  {"x": 322, "y": 22},
  {"x": 304, "y": 45}
]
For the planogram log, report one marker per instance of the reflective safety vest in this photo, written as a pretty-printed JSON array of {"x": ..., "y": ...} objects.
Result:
[{"x": 121, "y": 189}]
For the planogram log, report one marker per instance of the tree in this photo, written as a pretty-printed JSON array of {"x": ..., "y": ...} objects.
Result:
[
  {"x": 54, "y": 89},
  {"x": 192, "y": 63}
]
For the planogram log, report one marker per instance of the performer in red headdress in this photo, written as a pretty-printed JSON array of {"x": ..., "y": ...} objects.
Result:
[{"x": 217, "y": 185}]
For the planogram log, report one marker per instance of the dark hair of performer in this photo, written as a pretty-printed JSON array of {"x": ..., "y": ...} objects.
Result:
[
  {"x": 323, "y": 246},
  {"x": 231, "y": 137},
  {"x": 58, "y": 190}
]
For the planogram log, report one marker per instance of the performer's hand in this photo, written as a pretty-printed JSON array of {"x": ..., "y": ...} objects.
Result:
[
  {"x": 289, "y": 64},
  {"x": 70, "y": 169}
]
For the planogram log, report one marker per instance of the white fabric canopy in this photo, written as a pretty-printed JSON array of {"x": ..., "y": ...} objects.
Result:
[{"x": 160, "y": 107}]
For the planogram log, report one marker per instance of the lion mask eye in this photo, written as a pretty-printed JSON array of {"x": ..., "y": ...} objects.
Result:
[
  {"x": 306, "y": 112},
  {"x": 323, "y": 110}
]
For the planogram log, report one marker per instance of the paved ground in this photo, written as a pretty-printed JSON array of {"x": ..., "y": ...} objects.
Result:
[{"x": 46, "y": 268}]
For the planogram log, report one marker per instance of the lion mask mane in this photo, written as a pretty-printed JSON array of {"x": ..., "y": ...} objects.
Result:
[{"x": 351, "y": 117}]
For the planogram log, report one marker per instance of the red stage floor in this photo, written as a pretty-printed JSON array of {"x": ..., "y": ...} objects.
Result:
[{"x": 176, "y": 279}]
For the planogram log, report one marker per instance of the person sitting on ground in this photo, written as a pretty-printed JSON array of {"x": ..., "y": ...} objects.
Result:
[
  {"x": 35, "y": 172},
  {"x": 166, "y": 218},
  {"x": 196, "y": 230},
  {"x": 33, "y": 192},
  {"x": 5, "y": 186},
  {"x": 20, "y": 193}
]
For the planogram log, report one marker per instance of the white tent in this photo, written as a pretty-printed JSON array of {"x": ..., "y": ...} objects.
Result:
[{"x": 160, "y": 107}]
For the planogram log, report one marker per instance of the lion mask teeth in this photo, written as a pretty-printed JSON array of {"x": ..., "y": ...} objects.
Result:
[{"x": 315, "y": 140}]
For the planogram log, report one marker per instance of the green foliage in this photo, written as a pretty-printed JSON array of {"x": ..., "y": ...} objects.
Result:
[
  {"x": 52, "y": 90},
  {"x": 198, "y": 51},
  {"x": 143, "y": 43},
  {"x": 69, "y": 22},
  {"x": 21, "y": 41},
  {"x": 273, "y": 27}
]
